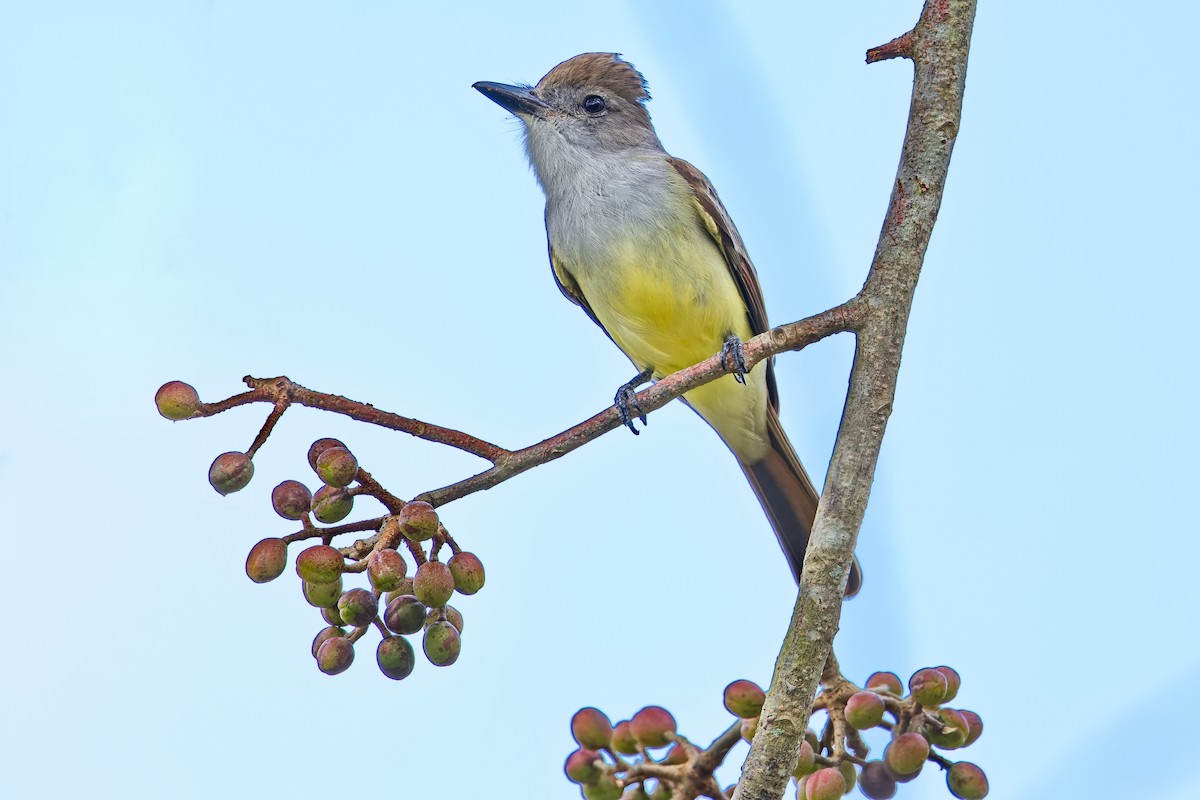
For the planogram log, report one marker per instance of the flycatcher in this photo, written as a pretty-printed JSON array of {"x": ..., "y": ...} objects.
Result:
[{"x": 641, "y": 242}]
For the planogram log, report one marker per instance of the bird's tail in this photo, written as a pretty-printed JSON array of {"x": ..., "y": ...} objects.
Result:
[{"x": 789, "y": 499}]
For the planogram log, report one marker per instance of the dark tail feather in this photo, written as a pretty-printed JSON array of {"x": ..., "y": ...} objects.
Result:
[{"x": 790, "y": 500}]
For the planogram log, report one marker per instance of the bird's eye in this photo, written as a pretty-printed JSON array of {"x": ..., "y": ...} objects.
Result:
[{"x": 593, "y": 104}]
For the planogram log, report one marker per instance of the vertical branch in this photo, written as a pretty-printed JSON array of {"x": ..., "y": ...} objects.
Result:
[{"x": 938, "y": 47}]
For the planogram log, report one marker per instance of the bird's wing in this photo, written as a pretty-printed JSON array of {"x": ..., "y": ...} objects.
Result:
[{"x": 716, "y": 220}]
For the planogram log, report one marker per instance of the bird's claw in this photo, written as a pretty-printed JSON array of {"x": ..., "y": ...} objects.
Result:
[
  {"x": 732, "y": 351},
  {"x": 627, "y": 404}
]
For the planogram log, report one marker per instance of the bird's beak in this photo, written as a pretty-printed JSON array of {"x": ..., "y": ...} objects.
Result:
[{"x": 519, "y": 100}]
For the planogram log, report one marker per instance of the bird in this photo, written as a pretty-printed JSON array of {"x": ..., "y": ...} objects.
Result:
[{"x": 641, "y": 242}]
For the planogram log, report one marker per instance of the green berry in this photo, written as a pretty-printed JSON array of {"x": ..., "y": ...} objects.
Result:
[
  {"x": 320, "y": 446},
  {"x": 604, "y": 788},
  {"x": 467, "y": 570},
  {"x": 332, "y": 504},
  {"x": 623, "y": 740},
  {"x": 358, "y": 607},
  {"x": 864, "y": 710},
  {"x": 806, "y": 762},
  {"x": 433, "y": 584},
  {"x": 441, "y": 644},
  {"x": 405, "y": 614},
  {"x": 395, "y": 657},
  {"x": 323, "y": 595},
  {"x": 320, "y": 564},
  {"x": 928, "y": 687},
  {"x": 337, "y": 466},
  {"x": 952, "y": 731},
  {"x": 744, "y": 699},
  {"x": 967, "y": 781},
  {"x": 906, "y": 754}
]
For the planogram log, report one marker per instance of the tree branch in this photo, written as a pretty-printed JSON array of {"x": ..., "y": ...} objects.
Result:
[
  {"x": 792, "y": 336},
  {"x": 283, "y": 392},
  {"x": 938, "y": 46}
]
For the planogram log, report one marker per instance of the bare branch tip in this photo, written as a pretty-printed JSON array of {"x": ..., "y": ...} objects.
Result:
[{"x": 900, "y": 47}]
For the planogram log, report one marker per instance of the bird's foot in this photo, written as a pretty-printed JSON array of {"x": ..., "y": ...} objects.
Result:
[
  {"x": 732, "y": 352},
  {"x": 627, "y": 404}
]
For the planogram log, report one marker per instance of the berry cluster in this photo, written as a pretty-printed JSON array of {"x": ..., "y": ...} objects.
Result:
[
  {"x": 832, "y": 764},
  {"x": 395, "y": 603},
  {"x": 614, "y": 762}
]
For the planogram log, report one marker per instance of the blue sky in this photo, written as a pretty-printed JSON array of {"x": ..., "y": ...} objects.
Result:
[{"x": 201, "y": 190}]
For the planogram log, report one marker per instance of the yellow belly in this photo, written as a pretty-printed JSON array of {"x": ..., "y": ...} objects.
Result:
[{"x": 670, "y": 303}]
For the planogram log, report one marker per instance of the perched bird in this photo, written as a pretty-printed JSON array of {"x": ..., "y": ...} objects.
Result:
[{"x": 641, "y": 242}]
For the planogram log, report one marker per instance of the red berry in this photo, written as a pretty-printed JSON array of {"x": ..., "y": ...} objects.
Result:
[
  {"x": 887, "y": 682},
  {"x": 581, "y": 766},
  {"x": 267, "y": 560},
  {"x": 230, "y": 472},
  {"x": 825, "y": 784},
  {"x": 953, "y": 681},
  {"x": 974, "y": 726},
  {"x": 324, "y": 635},
  {"x": 591, "y": 728},
  {"x": 335, "y": 655},
  {"x": 291, "y": 499},
  {"x": 653, "y": 726},
  {"x": 385, "y": 569}
]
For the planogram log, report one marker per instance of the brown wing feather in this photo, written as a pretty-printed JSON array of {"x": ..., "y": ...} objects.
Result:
[
  {"x": 783, "y": 487},
  {"x": 720, "y": 226}
]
